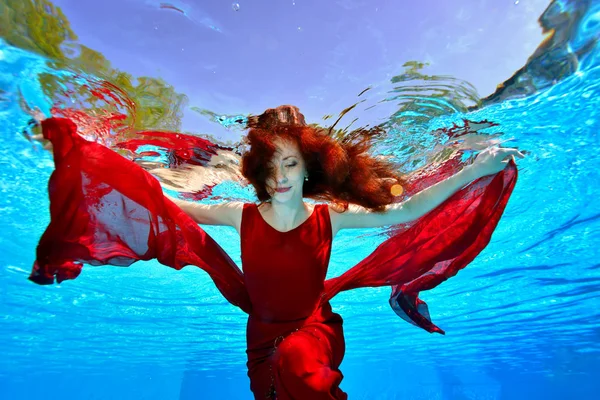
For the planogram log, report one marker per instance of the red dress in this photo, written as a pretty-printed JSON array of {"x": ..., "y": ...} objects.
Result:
[
  {"x": 295, "y": 344},
  {"x": 105, "y": 209}
]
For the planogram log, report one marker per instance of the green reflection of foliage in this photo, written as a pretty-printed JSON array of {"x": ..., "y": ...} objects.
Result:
[
  {"x": 36, "y": 26},
  {"x": 41, "y": 27}
]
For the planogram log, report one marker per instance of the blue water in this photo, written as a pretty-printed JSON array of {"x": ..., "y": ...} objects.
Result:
[{"x": 522, "y": 321}]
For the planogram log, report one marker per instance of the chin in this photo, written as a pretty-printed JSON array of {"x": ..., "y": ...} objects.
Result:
[{"x": 283, "y": 197}]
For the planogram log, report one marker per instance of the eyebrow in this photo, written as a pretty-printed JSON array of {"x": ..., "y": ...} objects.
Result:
[{"x": 288, "y": 157}]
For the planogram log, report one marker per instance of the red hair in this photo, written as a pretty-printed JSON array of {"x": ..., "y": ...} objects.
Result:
[{"x": 340, "y": 171}]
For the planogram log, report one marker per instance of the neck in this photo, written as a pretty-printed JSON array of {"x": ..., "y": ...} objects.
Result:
[{"x": 290, "y": 211}]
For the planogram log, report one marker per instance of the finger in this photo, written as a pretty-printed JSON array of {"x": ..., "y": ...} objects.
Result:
[
  {"x": 506, "y": 159},
  {"x": 513, "y": 152},
  {"x": 517, "y": 153}
]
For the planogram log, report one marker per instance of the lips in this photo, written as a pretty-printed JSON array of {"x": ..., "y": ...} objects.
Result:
[{"x": 282, "y": 190}]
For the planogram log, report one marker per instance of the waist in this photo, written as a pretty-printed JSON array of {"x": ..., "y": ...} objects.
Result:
[{"x": 261, "y": 333}]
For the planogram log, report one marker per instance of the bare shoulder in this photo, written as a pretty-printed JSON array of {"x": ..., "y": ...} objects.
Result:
[
  {"x": 338, "y": 215},
  {"x": 233, "y": 211},
  {"x": 338, "y": 211},
  {"x": 227, "y": 213}
]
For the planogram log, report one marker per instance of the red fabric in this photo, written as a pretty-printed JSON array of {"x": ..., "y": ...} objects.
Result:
[
  {"x": 104, "y": 209},
  {"x": 107, "y": 210},
  {"x": 182, "y": 149},
  {"x": 428, "y": 251},
  {"x": 295, "y": 344}
]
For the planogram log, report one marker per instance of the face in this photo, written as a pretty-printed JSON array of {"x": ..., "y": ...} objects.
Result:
[{"x": 288, "y": 172}]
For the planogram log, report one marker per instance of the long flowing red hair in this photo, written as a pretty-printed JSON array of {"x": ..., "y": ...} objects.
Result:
[{"x": 340, "y": 171}]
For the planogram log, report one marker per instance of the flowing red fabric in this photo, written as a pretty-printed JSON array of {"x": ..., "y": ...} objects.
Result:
[{"x": 105, "y": 209}]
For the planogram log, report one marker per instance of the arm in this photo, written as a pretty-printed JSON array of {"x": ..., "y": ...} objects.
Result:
[
  {"x": 488, "y": 162},
  {"x": 409, "y": 210},
  {"x": 227, "y": 214}
]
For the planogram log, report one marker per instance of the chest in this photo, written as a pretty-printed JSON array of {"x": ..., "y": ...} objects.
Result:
[{"x": 298, "y": 253}]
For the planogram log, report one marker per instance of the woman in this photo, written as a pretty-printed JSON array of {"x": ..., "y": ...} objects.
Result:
[{"x": 295, "y": 343}]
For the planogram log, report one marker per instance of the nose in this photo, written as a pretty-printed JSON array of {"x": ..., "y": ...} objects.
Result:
[{"x": 280, "y": 176}]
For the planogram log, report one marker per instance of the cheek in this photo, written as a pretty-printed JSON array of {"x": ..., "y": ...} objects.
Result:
[{"x": 296, "y": 174}]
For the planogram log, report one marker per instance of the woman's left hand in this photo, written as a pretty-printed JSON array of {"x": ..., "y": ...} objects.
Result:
[
  {"x": 494, "y": 159},
  {"x": 37, "y": 116}
]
